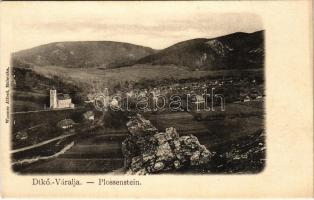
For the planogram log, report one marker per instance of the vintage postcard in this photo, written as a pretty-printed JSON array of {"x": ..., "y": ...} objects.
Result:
[{"x": 156, "y": 99}]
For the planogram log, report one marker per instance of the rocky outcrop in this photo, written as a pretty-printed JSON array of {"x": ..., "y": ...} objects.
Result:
[
  {"x": 233, "y": 51},
  {"x": 218, "y": 47},
  {"x": 146, "y": 150}
]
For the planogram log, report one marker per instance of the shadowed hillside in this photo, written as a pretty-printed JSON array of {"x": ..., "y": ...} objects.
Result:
[
  {"x": 234, "y": 51},
  {"x": 104, "y": 54}
]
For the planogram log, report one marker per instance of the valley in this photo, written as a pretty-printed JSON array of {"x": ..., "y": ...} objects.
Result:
[{"x": 91, "y": 140}]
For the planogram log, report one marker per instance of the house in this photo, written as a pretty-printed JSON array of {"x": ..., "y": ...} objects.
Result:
[
  {"x": 60, "y": 100},
  {"x": 114, "y": 102},
  {"x": 89, "y": 115},
  {"x": 246, "y": 99},
  {"x": 66, "y": 123},
  {"x": 155, "y": 93},
  {"x": 21, "y": 135},
  {"x": 130, "y": 93},
  {"x": 64, "y": 101},
  {"x": 198, "y": 101}
]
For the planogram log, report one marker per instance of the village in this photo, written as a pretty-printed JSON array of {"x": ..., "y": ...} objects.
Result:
[
  {"x": 187, "y": 96},
  {"x": 243, "y": 90},
  {"x": 74, "y": 125}
]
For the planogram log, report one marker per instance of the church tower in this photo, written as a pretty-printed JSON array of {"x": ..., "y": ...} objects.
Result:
[{"x": 53, "y": 99}]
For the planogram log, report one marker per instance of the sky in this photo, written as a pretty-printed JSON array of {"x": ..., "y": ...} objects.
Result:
[{"x": 138, "y": 23}]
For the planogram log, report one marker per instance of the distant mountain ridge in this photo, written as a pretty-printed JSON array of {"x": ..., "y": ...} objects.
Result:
[
  {"x": 104, "y": 54},
  {"x": 235, "y": 51}
]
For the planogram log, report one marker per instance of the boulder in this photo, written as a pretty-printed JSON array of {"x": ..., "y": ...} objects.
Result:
[
  {"x": 146, "y": 150},
  {"x": 158, "y": 166},
  {"x": 164, "y": 152}
]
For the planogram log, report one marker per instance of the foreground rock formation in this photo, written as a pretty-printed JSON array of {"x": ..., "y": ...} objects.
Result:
[{"x": 146, "y": 150}]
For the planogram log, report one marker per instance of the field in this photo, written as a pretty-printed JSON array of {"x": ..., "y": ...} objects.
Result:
[
  {"x": 98, "y": 77},
  {"x": 96, "y": 148},
  {"x": 231, "y": 125},
  {"x": 91, "y": 143},
  {"x": 234, "y": 110},
  {"x": 90, "y": 154},
  {"x": 237, "y": 137},
  {"x": 40, "y": 126}
]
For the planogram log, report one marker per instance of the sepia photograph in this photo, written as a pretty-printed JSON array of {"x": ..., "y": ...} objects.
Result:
[
  {"x": 173, "y": 96},
  {"x": 173, "y": 99}
]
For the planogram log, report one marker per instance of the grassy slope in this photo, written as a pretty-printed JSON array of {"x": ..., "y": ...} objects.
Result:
[
  {"x": 31, "y": 90},
  {"x": 238, "y": 140},
  {"x": 233, "y": 51},
  {"x": 85, "y": 54},
  {"x": 111, "y": 77}
]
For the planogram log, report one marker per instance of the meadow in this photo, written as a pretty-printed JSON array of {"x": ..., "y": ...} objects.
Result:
[
  {"x": 236, "y": 136},
  {"x": 99, "y": 78}
]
